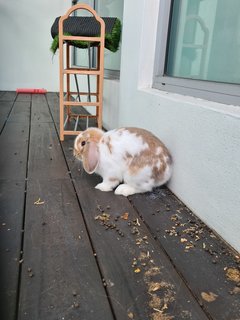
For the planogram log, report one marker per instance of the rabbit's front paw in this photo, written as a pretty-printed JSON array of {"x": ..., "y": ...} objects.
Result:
[
  {"x": 104, "y": 187},
  {"x": 125, "y": 190}
]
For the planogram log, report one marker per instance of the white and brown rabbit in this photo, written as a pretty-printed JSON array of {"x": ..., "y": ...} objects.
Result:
[{"x": 131, "y": 159}]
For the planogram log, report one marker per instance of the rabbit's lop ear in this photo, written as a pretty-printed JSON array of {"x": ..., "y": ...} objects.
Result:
[{"x": 90, "y": 157}]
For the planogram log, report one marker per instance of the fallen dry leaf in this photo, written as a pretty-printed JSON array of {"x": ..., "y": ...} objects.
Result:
[
  {"x": 189, "y": 246},
  {"x": 153, "y": 271},
  {"x": 183, "y": 240},
  {"x": 209, "y": 297},
  {"x": 155, "y": 302},
  {"x": 137, "y": 270},
  {"x": 154, "y": 286},
  {"x": 233, "y": 274},
  {"x": 125, "y": 216},
  {"x": 103, "y": 217},
  {"x": 38, "y": 202},
  {"x": 235, "y": 290}
]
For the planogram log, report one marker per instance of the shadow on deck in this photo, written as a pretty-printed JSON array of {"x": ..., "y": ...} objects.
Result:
[{"x": 69, "y": 251}]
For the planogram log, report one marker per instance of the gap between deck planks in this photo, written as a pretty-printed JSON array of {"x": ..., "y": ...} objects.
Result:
[
  {"x": 60, "y": 278},
  {"x": 138, "y": 260},
  {"x": 13, "y": 146}
]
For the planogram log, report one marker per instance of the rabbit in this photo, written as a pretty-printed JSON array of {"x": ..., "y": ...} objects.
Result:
[{"x": 131, "y": 159}]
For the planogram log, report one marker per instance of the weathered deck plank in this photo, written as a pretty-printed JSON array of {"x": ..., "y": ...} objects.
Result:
[
  {"x": 8, "y": 96},
  {"x": 5, "y": 109},
  {"x": 46, "y": 159},
  {"x": 203, "y": 259},
  {"x": 1, "y": 93},
  {"x": 25, "y": 97},
  {"x": 13, "y": 168},
  {"x": 20, "y": 112},
  {"x": 60, "y": 278},
  {"x": 11, "y": 218},
  {"x": 141, "y": 280},
  {"x": 14, "y": 142},
  {"x": 52, "y": 99}
]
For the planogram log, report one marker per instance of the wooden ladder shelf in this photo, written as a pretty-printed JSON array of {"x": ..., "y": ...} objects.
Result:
[{"x": 67, "y": 68}]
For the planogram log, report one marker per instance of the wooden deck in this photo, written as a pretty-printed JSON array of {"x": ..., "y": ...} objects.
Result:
[{"x": 69, "y": 251}]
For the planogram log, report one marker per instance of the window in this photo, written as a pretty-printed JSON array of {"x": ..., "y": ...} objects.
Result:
[
  {"x": 198, "y": 51},
  {"x": 105, "y": 8}
]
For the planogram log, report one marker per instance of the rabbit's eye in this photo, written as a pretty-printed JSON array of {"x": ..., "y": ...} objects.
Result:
[{"x": 83, "y": 143}]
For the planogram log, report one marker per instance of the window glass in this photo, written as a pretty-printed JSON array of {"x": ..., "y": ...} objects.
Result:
[
  {"x": 111, "y": 8},
  {"x": 104, "y": 8},
  {"x": 204, "y": 40}
]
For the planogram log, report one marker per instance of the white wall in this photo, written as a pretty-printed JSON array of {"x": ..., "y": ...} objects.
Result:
[
  {"x": 203, "y": 136},
  {"x": 26, "y": 60}
]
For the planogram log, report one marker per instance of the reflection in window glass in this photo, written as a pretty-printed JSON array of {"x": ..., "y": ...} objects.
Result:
[
  {"x": 104, "y": 8},
  {"x": 111, "y": 8},
  {"x": 204, "y": 40}
]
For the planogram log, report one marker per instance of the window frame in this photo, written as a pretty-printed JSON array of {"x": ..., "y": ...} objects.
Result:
[{"x": 226, "y": 93}]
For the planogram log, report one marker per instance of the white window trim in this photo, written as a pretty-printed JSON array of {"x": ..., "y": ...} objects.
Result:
[{"x": 214, "y": 91}]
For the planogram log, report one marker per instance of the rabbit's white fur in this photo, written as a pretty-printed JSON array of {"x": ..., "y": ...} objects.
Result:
[{"x": 131, "y": 159}]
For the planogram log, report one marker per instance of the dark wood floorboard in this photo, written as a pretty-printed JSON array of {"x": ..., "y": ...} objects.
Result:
[
  {"x": 87, "y": 254},
  {"x": 5, "y": 110},
  {"x": 200, "y": 257},
  {"x": 8, "y": 96},
  {"x": 1, "y": 93},
  {"x": 40, "y": 110},
  {"x": 52, "y": 99},
  {"x": 25, "y": 97},
  {"x": 59, "y": 262},
  {"x": 20, "y": 112},
  {"x": 14, "y": 149},
  {"x": 14, "y": 142},
  {"x": 11, "y": 218},
  {"x": 60, "y": 278},
  {"x": 13, "y": 170}
]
